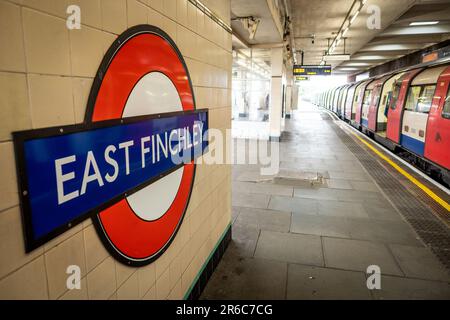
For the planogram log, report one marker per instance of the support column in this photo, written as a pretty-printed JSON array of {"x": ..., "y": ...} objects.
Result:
[
  {"x": 276, "y": 93},
  {"x": 289, "y": 88},
  {"x": 294, "y": 105}
]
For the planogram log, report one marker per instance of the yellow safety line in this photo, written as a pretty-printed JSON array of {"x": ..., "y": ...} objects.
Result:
[{"x": 430, "y": 193}]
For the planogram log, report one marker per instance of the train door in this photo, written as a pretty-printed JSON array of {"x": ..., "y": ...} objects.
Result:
[
  {"x": 437, "y": 141},
  {"x": 367, "y": 100},
  {"x": 336, "y": 99},
  {"x": 417, "y": 106},
  {"x": 349, "y": 101},
  {"x": 363, "y": 95},
  {"x": 356, "y": 98},
  {"x": 385, "y": 99},
  {"x": 343, "y": 100},
  {"x": 375, "y": 103},
  {"x": 396, "y": 104}
]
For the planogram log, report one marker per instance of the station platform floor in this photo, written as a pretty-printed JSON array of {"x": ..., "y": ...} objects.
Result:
[{"x": 315, "y": 241}]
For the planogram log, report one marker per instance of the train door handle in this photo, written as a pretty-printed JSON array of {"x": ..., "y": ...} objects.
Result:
[{"x": 438, "y": 137}]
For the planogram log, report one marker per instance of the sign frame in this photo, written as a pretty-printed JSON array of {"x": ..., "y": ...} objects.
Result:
[{"x": 19, "y": 139}]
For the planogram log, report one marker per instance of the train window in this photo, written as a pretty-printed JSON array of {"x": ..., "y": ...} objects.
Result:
[
  {"x": 425, "y": 98},
  {"x": 446, "y": 109},
  {"x": 413, "y": 97},
  {"x": 396, "y": 92},
  {"x": 367, "y": 97}
]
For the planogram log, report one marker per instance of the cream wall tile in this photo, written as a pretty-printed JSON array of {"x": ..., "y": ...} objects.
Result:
[
  {"x": 156, "y": 4},
  {"x": 77, "y": 294},
  {"x": 95, "y": 250},
  {"x": 170, "y": 8},
  {"x": 187, "y": 278},
  {"x": 12, "y": 57},
  {"x": 155, "y": 18},
  {"x": 137, "y": 13},
  {"x": 86, "y": 50},
  {"x": 107, "y": 40},
  {"x": 91, "y": 12},
  {"x": 53, "y": 7},
  {"x": 185, "y": 41},
  {"x": 151, "y": 294},
  {"x": 28, "y": 283},
  {"x": 12, "y": 246},
  {"x": 46, "y": 43},
  {"x": 175, "y": 271},
  {"x": 170, "y": 27},
  {"x": 146, "y": 277},
  {"x": 14, "y": 109},
  {"x": 62, "y": 237},
  {"x": 69, "y": 252},
  {"x": 113, "y": 296},
  {"x": 163, "y": 286},
  {"x": 200, "y": 22},
  {"x": 51, "y": 100},
  {"x": 8, "y": 184},
  {"x": 191, "y": 17},
  {"x": 81, "y": 89},
  {"x": 123, "y": 272},
  {"x": 129, "y": 289},
  {"x": 176, "y": 293},
  {"x": 101, "y": 281},
  {"x": 182, "y": 12},
  {"x": 163, "y": 262},
  {"x": 114, "y": 16}
]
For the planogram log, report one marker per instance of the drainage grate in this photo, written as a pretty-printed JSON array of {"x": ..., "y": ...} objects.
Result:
[{"x": 415, "y": 207}]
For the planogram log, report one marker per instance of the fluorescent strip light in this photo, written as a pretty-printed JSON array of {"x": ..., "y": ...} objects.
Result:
[
  {"x": 336, "y": 57},
  {"x": 345, "y": 32},
  {"x": 354, "y": 17},
  {"x": 423, "y": 23}
]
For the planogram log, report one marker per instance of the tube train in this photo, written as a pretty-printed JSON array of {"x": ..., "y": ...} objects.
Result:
[{"x": 407, "y": 111}]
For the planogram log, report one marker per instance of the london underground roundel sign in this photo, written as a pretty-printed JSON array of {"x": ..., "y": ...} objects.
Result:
[
  {"x": 143, "y": 73},
  {"x": 126, "y": 165}
]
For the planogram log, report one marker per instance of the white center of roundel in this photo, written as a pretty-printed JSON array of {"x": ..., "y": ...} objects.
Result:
[{"x": 154, "y": 93}]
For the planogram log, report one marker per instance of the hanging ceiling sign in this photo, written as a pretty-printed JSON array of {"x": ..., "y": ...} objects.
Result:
[
  {"x": 301, "y": 70},
  {"x": 301, "y": 78},
  {"x": 131, "y": 164}
]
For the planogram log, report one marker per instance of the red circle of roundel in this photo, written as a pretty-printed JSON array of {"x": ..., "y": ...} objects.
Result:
[{"x": 137, "y": 52}]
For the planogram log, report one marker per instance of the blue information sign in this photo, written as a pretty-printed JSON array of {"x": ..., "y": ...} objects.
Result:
[{"x": 68, "y": 173}]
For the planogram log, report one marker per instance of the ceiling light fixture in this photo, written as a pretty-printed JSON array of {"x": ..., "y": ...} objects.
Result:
[{"x": 423, "y": 23}]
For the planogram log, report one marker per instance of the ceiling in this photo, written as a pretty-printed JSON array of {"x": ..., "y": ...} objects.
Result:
[{"x": 321, "y": 20}]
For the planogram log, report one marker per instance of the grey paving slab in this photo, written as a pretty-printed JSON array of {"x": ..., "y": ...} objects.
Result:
[
  {"x": 337, "y": 194},
  {"x": 262, "y": 188},
  {"x": 247, "y": 278},
  {"x": 308, "y": 283},
  {"x": 419, "y": 263},
  {"x": 364, "y": 186},
  {"x": 407, "y": 289},
  {"x": 341, "y": 209},
  {"x": 393, "y": 232},
  {"x": 357, "y": 176},
  {"x": 338, "y": 184},
  {"x": 289, "y": 247},
  {"x": 381, "y": 212},
  {"x": 264, "y": 219},
  {"x": 234, "y": 213},
  {"x": 307, "y": 206},
  {"x": 320, "y": 225},
  {"x": 243, "y": 241},
  {"x": 358, "y": 255},
  {"x": 250, "y": 200}
]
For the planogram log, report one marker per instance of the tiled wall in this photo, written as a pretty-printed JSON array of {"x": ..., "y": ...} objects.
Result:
[{"x": 46, "y": 71}]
